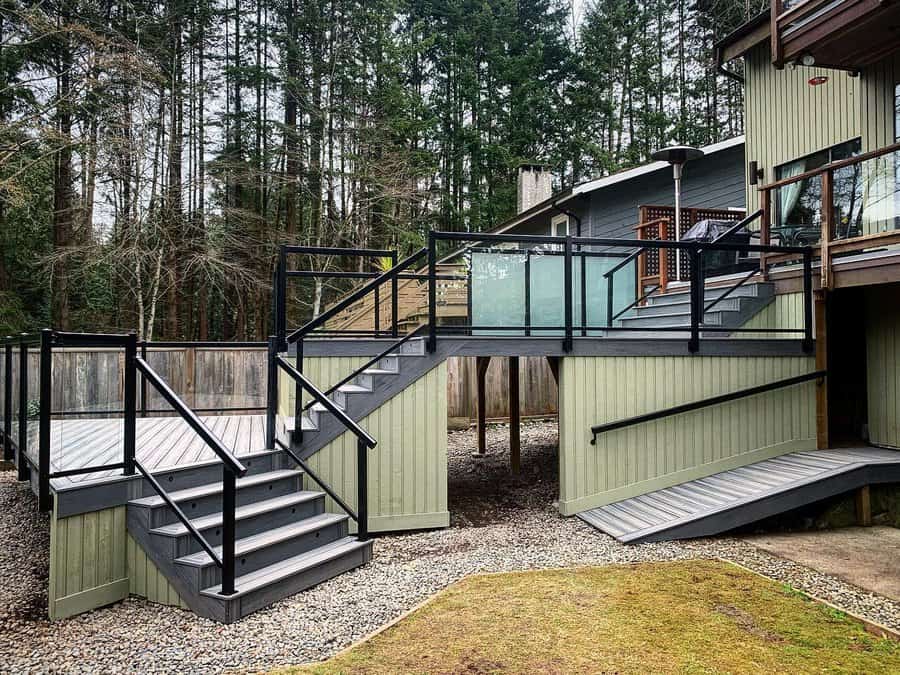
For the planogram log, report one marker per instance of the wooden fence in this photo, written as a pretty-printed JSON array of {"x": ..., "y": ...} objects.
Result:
[{"x": 91, "y": 381}]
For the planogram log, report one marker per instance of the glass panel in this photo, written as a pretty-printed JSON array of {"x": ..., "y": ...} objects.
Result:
[
  {"x": 548, "y": 293},
  {"x": 498, "y": 290},
  {"x": 799, "y": 220},
  {"x": 867, "y": 197}
]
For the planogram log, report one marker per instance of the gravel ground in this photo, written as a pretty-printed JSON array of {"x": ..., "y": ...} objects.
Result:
[{"x": 499, "y": 523}]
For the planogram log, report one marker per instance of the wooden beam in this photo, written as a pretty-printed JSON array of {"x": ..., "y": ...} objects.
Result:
[
  {"x": 864, "y": 506},
  {"x": 481, "y": 366},
  {"x": 820, "y": 310},
  {"x": 515, "y": 446}
]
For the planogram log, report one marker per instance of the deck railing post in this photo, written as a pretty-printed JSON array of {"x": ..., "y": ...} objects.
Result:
[
  {"x": 229, "y": 487},
  {"x": 271, "y": 390},
  {"x": 528, "y": 292},
  {"x": 7, "y": 402},
  {"x": 807, "y": 302},
  {"x": 362, "y": 489},
  {"x": 567, "y": 290},
  {"x": 298, "y": 397},
  {"x": 281, "y": 301},
  {"x": 22, "y": 443},
  {"x": 469, "y": 292},
  {"x": 143, "y": 380},
  {"x": 395, "y": 298},
  {"x": 584, "y": 322},
  {"x": 129, "y": 422},
  {"x": 377, "y": 322},
  {"x": 696, "y": 300},
  {"x": 609, "y": 300},
  {"x": 432, "y": 293},
  {"x": 45, "y": 502}
]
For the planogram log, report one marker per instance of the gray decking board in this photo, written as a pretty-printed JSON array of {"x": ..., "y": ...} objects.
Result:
[
  {"x": 725, "y": 500},
  {"x": 161, "y": 443}
]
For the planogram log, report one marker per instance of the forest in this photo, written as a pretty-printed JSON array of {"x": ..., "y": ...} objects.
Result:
[{"x": 155, "y": 153}]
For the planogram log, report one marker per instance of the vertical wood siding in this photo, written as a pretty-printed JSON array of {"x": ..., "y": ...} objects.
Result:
[
  {"x": 146, "y": 581},
  {"x": 538, "y": 388},
  {"x": 883, "y": 365},
  {"x": 87, "y": 561},
  {"x": 649, "y": 456},
  {"x": 323, "y": 372},
  {"x": 408, "y": 468},
  {"x": 786, "y": 311}
]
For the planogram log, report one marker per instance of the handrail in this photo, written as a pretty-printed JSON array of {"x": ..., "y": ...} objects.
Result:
[
  {"x": 345, "y": 419},
  {"x": 204, "y": 544},
  {"x": 356, "y": 295},
  {"x": 731, "y": 290},
  {"x": 399, "y": 343},
  {"x": 189, "y": 416},
  {"x": 622, "y": 264},
  {"x": 633, "y": 304},
  {"x": 705, "y": 403},
  {"x": 321, "y": 483}
]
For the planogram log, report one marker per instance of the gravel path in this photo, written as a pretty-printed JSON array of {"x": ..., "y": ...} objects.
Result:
[{"x": 499, "y": 523}]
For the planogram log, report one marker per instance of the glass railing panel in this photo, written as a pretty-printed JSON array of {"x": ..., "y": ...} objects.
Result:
[
  {"x": 547, "y": 293},
  {"x": 498, "y": 290},
  {"x": 867, "y": 197},
  {"x": 797, "y": 209}
]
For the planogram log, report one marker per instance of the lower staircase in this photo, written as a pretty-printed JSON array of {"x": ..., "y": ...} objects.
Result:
[{"x": 286, "y": 542}]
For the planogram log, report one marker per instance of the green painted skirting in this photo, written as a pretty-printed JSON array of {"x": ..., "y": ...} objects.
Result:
[
  {"x": 570, "y": 508},
  {"x": 419, "y": 521},
  {"x": 92, "y": 598}
]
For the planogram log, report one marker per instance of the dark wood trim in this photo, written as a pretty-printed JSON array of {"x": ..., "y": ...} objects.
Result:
[{"x": 821, "y": 319}]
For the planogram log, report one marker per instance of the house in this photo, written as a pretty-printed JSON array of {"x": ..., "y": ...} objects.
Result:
[{"x": 691, "y": 401}]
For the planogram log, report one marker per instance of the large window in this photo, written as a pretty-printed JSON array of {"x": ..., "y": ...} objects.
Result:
[{"x": 799, "y": 205}]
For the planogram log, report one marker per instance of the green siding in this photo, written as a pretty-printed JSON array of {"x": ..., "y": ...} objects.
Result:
[
  {"x": 87, "y": 561},
  {"x": 658, "y": 454},
  {"x": 322, "y": 372},
  {"x": 146, "y": 581},
  {"x": 785, "y": 311},
  {"x": 408, "y": 468},
  {"x": 883, "y": 365}
]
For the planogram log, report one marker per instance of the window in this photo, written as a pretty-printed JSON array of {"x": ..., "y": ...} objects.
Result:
[{"x": 799, "y": 205}]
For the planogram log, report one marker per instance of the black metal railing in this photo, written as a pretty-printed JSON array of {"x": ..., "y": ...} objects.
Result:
[
  {"x": 694, "y": 249},
  {"x": 598, "y": 429},
  {"x": 364, "y": 441},
  {"x": 16, "y": 405}
]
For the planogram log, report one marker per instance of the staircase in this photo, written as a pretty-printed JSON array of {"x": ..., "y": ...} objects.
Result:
[{"x": 673, "y": 309}]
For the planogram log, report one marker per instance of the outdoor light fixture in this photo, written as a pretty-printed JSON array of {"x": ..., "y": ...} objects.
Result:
[
  {"x": 808, "y": 60},
  {"x": 677, "y": 155}
]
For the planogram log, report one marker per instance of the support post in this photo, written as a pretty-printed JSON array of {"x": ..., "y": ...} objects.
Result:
[
  {"x": 45, "y": 501},
  {"x": 229, "y": 488},
  {"x": 432, "y": 294},
  {"x": 395, "y": 299},
  {"x": 7, "y": 402},
  {"x": 298, "y": 397},
  {"x": 22, "y": 443},
  {"x": 129, "y": 423},
  {"x": 528, "y": 292},
  {"x": 827, "y": 227},
  {"x": 469, "y": 320},
  {"x": 271, "y": 391},
  {"x": 481, "y": 367},
  {"x": 281, "y": 301},
  {"x": 143, "y": 380},
  {"x": 609, "y": 300},
  {"x": 864, "y": 506},
  {"x": 583, "y": 292},
  {"x": 696, "y": 301},
  {"x": 515, "y": 445},
  {"x": 567, "y": 280},
  {"x": 823, "y": 440},
  {"x": 377, "y": 322},
  {"x": 362, "y": 490},
  {"x": 807, "y": 302}
]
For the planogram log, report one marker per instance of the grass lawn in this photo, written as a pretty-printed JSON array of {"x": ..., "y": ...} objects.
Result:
[{"x": 686, "y": 617}]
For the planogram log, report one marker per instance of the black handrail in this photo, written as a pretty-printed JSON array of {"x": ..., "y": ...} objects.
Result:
[
  {"x": 731, "y": 290},
  {"x": 637, "y": 301},
  {"x": 739, "y": 225},
  {"x": 704, "y": 403},
  {"x": 321, "y": 483},
  {"x": 394, "y": 347},
  {"x": 353, "y": 297}
]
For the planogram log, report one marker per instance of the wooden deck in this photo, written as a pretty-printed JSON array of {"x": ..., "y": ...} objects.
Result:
[
  {"x": 744, "y": 495},
  {"x": 162, "y": 443}
]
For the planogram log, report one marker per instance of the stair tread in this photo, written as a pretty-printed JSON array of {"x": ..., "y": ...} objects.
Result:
[
  {"x": 290, "y": 566},
  {"x": 213, "y": 519},
  {"x": 260, "y": 540},
  {"x": 354, "y": 389},
  {"x": 208, "y": 489},
  {"x": 379, "y": 371}
]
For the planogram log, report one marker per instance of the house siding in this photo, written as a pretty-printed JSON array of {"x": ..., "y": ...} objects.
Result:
[
  {"x": 883, "y": 365},
  {"x": 662, "y": 453}
]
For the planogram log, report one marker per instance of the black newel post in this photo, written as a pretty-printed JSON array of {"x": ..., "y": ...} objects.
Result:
[
  {"x": 807, "y": 302},
  {"x": 45, "y": 501},
  {"x": 22, "y": 443},
  {"x": 7, "y": 402},
  {"x": 271, "y": 391},
  {"x": 130, "y": 404},
  {"x": 567, "y": 282},
  {"x": 362, "y": 489}
]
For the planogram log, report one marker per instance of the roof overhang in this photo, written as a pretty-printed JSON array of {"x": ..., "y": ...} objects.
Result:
[{"x": 743, "y": 38}]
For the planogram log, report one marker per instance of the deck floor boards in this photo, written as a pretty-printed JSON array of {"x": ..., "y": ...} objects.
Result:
[
  {"x": 743, "y": 495},
  {"x": 161, "y": 443}
]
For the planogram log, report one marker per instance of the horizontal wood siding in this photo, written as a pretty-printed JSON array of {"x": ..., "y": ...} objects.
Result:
[
  {"x": 883, "y": 365},
  {"x": 785, "y": 311},
  {"x": 649, "y": 456},
  {"x": 408, "y": 468},
  {"x": 146, "y": 581},
  {"x": 87, "y": 561}
]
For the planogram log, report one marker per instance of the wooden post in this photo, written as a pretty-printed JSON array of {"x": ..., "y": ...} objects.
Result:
[
  {"x": 864, "y": 506},
  {"x": 765, "y": 203},
  {"x": 827, "y": 226},
  {"x": 481, "y": 366},
  {"x": 662, "y": 255},
  {"x": 822, "y": 436},
  {"x": 514, "y": 418}
]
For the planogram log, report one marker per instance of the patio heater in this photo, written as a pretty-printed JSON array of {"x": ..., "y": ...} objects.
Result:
[{"x": 677, "y": 155}]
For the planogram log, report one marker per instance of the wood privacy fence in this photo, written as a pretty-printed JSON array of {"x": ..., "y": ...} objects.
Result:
[{"x": 222, "y": 378}]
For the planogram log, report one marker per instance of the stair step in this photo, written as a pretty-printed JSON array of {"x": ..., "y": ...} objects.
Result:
[
  {"x": 676, "y": 319},
  {"x": 216, "y": 488},
  {"x": 729, "y": 304},
  {"x": 277, "y": 574},
  {"x": 379, "y": 371},
  {"x": 350, "y": 388},
  {"x": 748, "y": 290}
]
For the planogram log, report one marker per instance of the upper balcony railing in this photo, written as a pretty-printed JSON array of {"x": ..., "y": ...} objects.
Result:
[
  {"x": 844, "y": 34},
  {"x": 848, "y": 206}
]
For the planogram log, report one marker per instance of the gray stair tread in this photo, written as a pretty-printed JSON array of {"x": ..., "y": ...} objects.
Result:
[
  {"x": 379, "y": 371},
  {"x": 290, "y": 566},
  {"x": 674, "y": 315},
  {"x": 178, "y": 529},
  {"x": 263, "y": 539},
  {"x": 319, "y": 408},
  {"x": 306, "y": 424},
  {"x": 354, "y": 389},
  {"x": 215, "y": 488}
]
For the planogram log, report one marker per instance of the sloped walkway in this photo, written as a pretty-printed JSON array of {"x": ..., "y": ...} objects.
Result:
[{"x": 729, "y": 499}]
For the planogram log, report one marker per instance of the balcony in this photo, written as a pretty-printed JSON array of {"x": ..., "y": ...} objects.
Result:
[{"x": 841, "y": 34}]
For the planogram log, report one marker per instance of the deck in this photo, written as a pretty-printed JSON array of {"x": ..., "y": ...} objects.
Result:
[
  {"x": 161, "y": 443},
  {"x": 729, "y": 499}
]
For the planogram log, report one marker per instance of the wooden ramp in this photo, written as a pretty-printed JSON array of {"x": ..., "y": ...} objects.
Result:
[{"x": 726, "y": 500}]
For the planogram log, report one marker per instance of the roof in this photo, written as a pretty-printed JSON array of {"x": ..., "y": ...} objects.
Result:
[
  {"x": 604, "y": 182},
  {"x": 743, "y": 38}
]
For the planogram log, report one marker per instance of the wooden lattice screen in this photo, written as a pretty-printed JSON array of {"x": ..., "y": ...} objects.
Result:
[{"x": 649, "y": 269}]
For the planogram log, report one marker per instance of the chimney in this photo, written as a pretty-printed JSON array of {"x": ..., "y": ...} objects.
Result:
[{"x": 533, "y": 186}]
